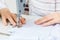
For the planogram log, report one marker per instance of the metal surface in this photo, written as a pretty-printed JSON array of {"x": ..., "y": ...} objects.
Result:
[{"x": 20, "y": 10}]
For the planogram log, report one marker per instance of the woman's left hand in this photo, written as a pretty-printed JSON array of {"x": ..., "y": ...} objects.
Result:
[{"x": 49, "y": 19}]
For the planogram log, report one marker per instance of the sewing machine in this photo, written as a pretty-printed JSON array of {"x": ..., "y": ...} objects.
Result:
[{"x": 20, "y": 9}]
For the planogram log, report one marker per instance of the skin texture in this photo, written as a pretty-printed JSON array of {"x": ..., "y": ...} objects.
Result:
[
  {"x": 50, "y": 19},
  {"x": 7, "y": 15},
  {"x": 11, "y": 17}
]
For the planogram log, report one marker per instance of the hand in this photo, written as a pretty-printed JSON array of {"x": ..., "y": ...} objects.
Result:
[
  {"x": 7, "y": 15},
  {"x": 49, "y": 19}
]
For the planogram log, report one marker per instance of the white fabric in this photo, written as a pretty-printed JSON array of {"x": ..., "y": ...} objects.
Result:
[
  {"x": 10, "y": 4},
  {"x": 31, "y": 31},
  {"x": 2, "y": 4},
  {"x": 43, "y": 7}
]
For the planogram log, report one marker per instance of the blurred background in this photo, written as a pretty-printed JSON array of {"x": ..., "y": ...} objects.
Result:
[{"x": 11, "y": 4}]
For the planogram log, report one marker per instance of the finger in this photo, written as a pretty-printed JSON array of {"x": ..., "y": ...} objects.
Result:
[
  {"x": 43, "y": 20},
  {"x": 14, "y": 17},
  {"x": 11, "y": 20},
  {"x": 4, "y": 20},
  {"x": 23, "y": 21},
  {"x": 49, "y": 23}
]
